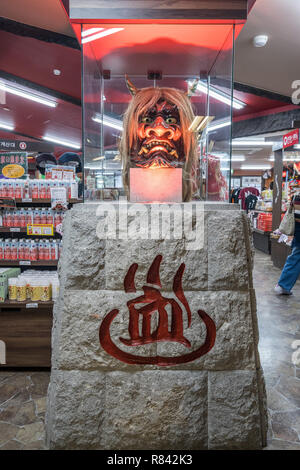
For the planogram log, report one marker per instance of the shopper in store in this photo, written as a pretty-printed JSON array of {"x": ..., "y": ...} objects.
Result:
[{"x": 291, "y": 270}]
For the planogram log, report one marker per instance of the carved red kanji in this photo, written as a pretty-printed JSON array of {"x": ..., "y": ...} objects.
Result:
[{"x": 150, "y": 302}]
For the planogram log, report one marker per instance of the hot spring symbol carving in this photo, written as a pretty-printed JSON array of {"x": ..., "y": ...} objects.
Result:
[{"x": 152, "y": 301}]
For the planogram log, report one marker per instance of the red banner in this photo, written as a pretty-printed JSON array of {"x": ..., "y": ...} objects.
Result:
[{"x": 290, "y": 139}]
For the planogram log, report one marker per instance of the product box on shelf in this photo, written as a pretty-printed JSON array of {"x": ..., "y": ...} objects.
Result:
[
  {"x": 264, "y": 222},
  {"x": 59, "y": 172},
  {"x": 39, "y": 189},
  {"x": 5, "y": 274},
  {"x": 24, "y": 249}
]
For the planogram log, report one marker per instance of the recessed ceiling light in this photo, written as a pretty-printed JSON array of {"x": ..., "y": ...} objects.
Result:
[
  {"x": 65, "y": 143},
  {"x": 218, "y": 95},
  {"x": 109, "y": 121},
  {"x": 256, "y": 167},
  {"x": 101, "y": 34},
  {"x": 218, "y": 125},
  {"x": 56, "y": 71},
  {"x": 251, "y": 143},
  {"x": 27, "y": 93},
  {"x": 260, "y": 40},
  {"x": 7, "y": 127}
]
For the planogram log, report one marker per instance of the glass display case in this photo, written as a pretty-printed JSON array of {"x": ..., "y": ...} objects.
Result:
[{"x": 188, "y": 67}]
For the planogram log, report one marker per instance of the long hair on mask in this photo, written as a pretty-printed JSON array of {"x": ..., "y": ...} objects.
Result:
[{"x": 144, "y": 99}]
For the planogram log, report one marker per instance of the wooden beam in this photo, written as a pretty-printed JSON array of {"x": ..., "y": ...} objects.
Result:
[
  {"x": 265, "y": 124},
  {"x": 159, "y": 9},
  {"x": 40, "y": 34},
  {"x": 277, "y": 189}
]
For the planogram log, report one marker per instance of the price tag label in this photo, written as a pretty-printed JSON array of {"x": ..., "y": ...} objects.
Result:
[
  {"x": 25, "y": 263},
  {"x": 40, "y": 229},
  {"x": 32, "y": 305},
  {"x": 14, "y": 229},
  {"x": 27, "y": 199}
]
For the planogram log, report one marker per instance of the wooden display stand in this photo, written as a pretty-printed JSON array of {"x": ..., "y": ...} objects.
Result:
[
  {"x": 261, "y": 241},
  {"x": 26, "y": 332}
]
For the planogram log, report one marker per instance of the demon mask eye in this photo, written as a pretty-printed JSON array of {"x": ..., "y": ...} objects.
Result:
[{"x": 171, "y": 120}]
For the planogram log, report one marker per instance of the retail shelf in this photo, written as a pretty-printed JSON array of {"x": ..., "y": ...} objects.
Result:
[
  {"x": 262, "y": 232},
  {"x": 265, "y": 212},
  {"x": 259, "y": 210},
  {"x": 13, "y": 230},
  {"x": 26, "y": 304},
  {"x": 27, "y": 202},
  {"x": 27, "y": 263}
]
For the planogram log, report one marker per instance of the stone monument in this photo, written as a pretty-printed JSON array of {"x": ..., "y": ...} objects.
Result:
[{"x": 155, "y": 338}]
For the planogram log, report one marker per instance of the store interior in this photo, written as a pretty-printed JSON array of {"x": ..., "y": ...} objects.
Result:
[{"x": 65, "y": 121}]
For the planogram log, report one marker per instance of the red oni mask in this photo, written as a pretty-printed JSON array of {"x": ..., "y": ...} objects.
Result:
[{"x": 159, "y": 138}]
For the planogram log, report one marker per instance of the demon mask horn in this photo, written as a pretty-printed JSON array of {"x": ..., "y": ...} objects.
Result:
[{"x": 131, "y": 87}]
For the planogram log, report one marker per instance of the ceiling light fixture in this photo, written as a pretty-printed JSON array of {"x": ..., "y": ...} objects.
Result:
[
  {"x": 109, "y": 121},
  {"x": 256, "y": 167},
  {"x": 235, "y": 159},
  {"x": 219, "y": 125},
  {"x": 102, "y": 34},
  {"x": 251, "y": 143},
  {"x": 65, "y": 143},
  {"x": 7, "y": 127},
  {"x": 90, "y": 31},
  {"x": 220, "y": 96},
  {"x": 291, "y": 158},
  {"x": 29, "y": 95}
]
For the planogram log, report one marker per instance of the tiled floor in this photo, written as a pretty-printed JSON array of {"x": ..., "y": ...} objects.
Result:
[
  {"x": 279, "y": 326},
  {"x": 22, "y": 394},
  {"x": 22, "y": 409}
]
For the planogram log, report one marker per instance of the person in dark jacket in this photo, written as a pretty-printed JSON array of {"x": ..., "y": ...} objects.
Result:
[{"x": 291, "y": 270}]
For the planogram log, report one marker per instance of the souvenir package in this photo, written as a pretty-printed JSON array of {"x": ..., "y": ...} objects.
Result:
[
  {"x": 33, "y": 286},
  {"x": 25, "y": 249},
  {"x": 5, "y": 274},
  {"x": 39, "y": 189}
]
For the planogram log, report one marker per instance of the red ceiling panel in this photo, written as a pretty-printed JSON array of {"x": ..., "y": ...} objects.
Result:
[{"x": 35, "y": 60}]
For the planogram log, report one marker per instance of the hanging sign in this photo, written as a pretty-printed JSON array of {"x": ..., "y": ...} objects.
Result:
[
  {"x": 25, "y": 145},
  {"x": 290, "y": 139},
  {"x": 13, "y": 164}
]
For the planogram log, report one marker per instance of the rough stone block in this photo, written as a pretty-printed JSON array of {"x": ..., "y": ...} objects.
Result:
[
  {"x": 120, "y": 254},
  {"x": 227, "y": 252},
  {"x": 97, "y": 401},
  {"x": 78, "y": 337},
  {"x": 77, "y": 333},
  {"x": 156, "y": 410},
  {"x": 234, "y": 345},
  {"x": 75, "y": 413},
  {"x": 234, "y": 420},
  {"x": 81, "y": 265}
]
